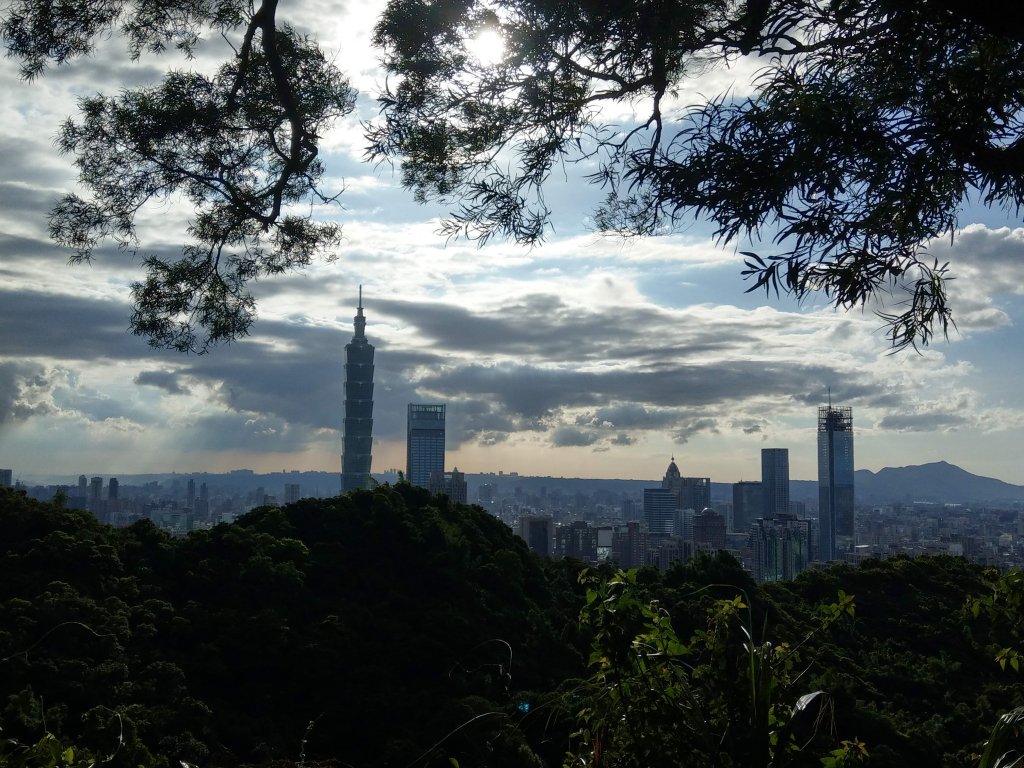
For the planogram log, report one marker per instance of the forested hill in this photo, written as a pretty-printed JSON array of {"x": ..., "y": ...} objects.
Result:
[{"x": 411, "y": 632}]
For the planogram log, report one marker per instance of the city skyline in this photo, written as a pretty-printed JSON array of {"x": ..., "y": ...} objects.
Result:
[{"x": 588, "y": 356}]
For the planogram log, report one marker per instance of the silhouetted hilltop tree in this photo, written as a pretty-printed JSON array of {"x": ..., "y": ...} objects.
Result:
[
  {"x": 411, "y": 630},
  {"x": 388, "y": 617}
]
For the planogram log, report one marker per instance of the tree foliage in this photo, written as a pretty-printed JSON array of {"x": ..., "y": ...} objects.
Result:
[
  {"x": 240, "y": 145},
  {"x": 415, "y": 632},
  {"x": 869, "y": 126}
]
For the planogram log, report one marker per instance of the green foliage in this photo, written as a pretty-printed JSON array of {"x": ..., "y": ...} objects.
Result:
[
  {"x": 360, "y": 612},
  {"x": 723, "y": 697},
  {"x": 414, "y": 631},
  {"x": 48, "y": 752},
  {"x": 869, "y": 126},
  {"x": 1003, "y": 605},
  {"x": 1005, "y": 748}
]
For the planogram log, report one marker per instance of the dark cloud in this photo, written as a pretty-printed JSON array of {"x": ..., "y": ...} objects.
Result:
[
  {"x": 691, "y": 427},
  {"x": 565, "y": 437},
  {"x": 628, "y": 416},
  {"x": 622, "y": 439},
  {"x": 543, "y": 327},
  {"x": 66, "y": 327},
  {"x": 169, "y": 381},
  {"x": 27, "y": 204},
  {"x": 930, "y": 421},
  {"x": 634, "y": 396},
  {"x": 250, "y": 432}
]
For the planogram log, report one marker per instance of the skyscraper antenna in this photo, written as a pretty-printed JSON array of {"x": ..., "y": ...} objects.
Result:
[
  {"x": 360, "y": 297},
  {"x": 829, "y": 386}
]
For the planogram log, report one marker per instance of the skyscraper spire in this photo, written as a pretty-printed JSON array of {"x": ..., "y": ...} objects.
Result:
[
  {"x": 357, "y": 441},
  {"x": 359, "y": 321}
]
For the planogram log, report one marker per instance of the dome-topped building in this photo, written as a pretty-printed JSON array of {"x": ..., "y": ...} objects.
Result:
[{"x": 673, "y": 479}]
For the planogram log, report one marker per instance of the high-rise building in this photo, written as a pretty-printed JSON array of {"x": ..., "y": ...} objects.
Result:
[
  {"x": 709, "y": 530},
  {"x": 357, "y": 442},
  {"x": 835, "y": 479},
  {"x": 96, "y": 489},
  {"x": 747, "y": 500},
  {"x": 451, "y": 484},
  {"x": 538, "y": 532},
  {"x": 781, "y": 547},
  {"x": 774, "y": 481},
  {"x": 6, "y": 478},
  {"x": 629, "y": 544},
  {"x": 578, "y": 539},
  {"x": 83, "y": 487},
  {"x": 695, "y": 493},
  {"x": 424, "y": 445},
  {"x": 673, "y": 480},
  {"x": 291, "y": 493},
  {"x": 112, "y": 489},
  {"x": 661, "y": 511}
]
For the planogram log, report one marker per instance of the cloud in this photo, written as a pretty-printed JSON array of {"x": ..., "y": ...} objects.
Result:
[
  {"x": 923, "y": 421},
  {"x": 24, "y": 391},
  {"x": 691, "y": 427},
  {"x": 565, "y": 437},
  {"x": 169, "y": 381}
]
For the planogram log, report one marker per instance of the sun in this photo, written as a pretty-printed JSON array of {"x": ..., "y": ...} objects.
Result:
[{"x": 488, "y": 47}]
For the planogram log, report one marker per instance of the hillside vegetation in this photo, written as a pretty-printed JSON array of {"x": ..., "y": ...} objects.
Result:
[{"x": 392, "y": 628}]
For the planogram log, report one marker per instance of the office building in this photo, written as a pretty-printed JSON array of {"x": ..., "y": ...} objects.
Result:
[
  {"x": 835, "y": 480},
  {"x": 673, "y": 480},
  {"x": 578, "y": 540},
  {"x": 629, "y": 544},
  {"x": 451, "y": 484},
  {"x": 6, "y": 478},
  {"x": 291, "y": 493},
  {"x": 690, "y": 492},
  {"x": 695, "y": 493},
  {"x": 774, "y": 482},
  {"x": 112, "y": 489},
  {"x": 190, "y": 493},
  {"x": 485, "y": 494},
  {"x": 357, "y": 439},
  {"x": 781, "y": 547},
  {"x": 661, "y": 511},
  {"x": 83, "y": 486},
  {"x": 96, "y": 489},
  {"x": 537, "y": 531},
  {"x": 747, "y": 501},
  {"x": 424, "y": 445},
  {"x": 709, "y": 531}
]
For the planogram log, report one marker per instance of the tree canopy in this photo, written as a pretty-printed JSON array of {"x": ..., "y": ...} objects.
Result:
[
  {"x": 241, "y": 145},
  {"x": 869, "y": 125}
]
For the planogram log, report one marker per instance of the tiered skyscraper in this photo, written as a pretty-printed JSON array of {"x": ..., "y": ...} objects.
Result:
[
  {"x": 424, "y": 444},
  {"x": 357, "y": 443},
  {"x": 835, "y": 478}
]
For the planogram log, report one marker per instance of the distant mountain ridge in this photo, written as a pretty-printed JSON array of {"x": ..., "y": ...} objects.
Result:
[{"x": 939, "y": 481}]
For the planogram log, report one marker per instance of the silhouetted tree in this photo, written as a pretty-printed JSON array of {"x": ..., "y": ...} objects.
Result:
[
  {"x": 870, "y": 124},
  {"x": 240, "y": 144}
]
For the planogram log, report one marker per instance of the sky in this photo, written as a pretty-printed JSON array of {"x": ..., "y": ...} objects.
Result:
[{"x": 588, "y": 356}]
